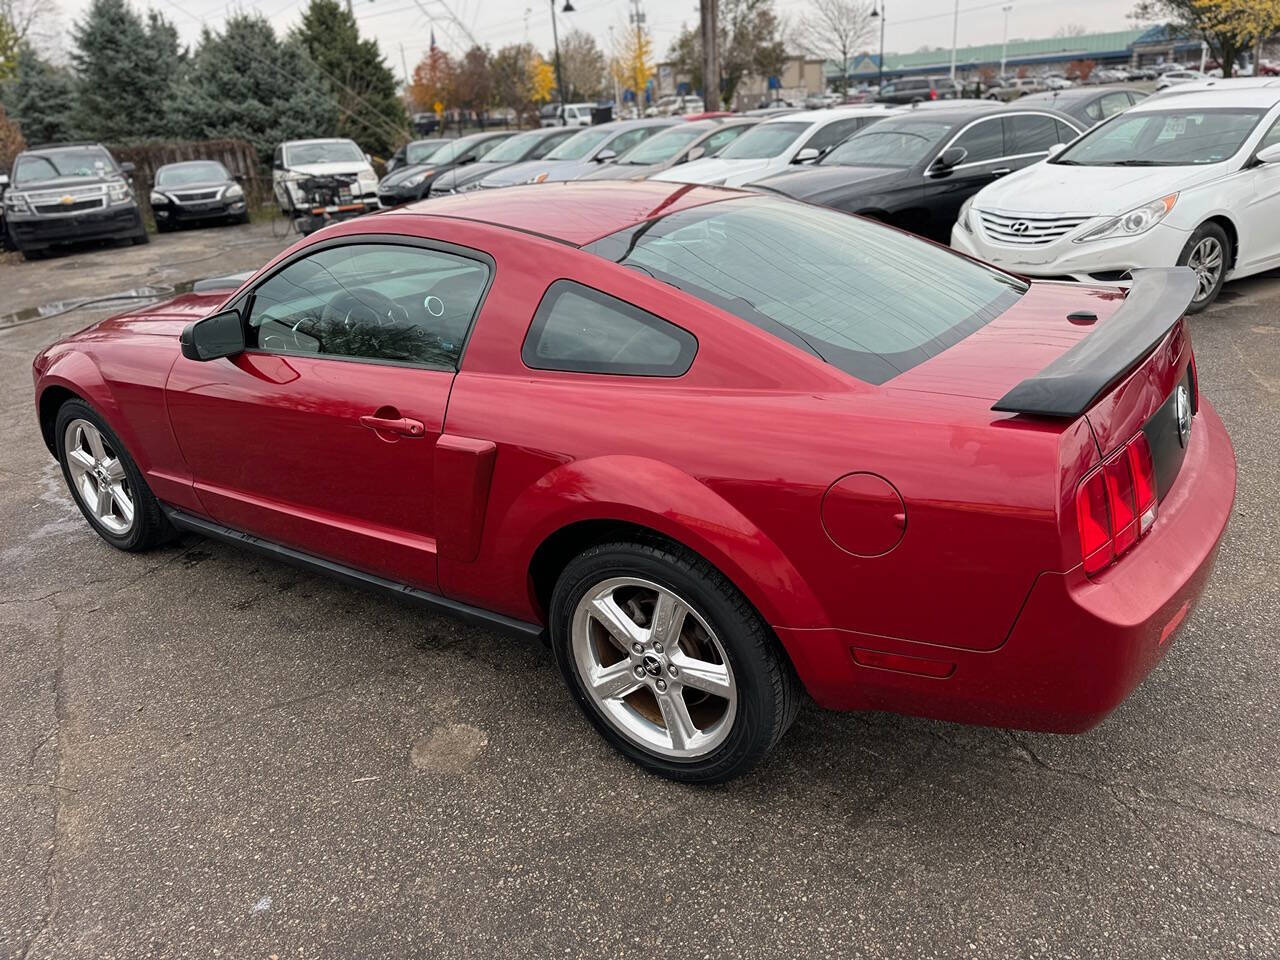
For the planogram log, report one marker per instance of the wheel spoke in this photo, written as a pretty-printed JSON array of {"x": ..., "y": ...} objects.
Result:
[
  {"x": 79, "y": 458},
  {"x": 668, "y": 619},
  {"x": 614, "y": 681},
  {"x": 115, "y": 469},
  {"x": 94, "y": 439},
  {"x": 675, "y": 714},
  {"x": 701, "y": 675},
  {"x": 123, "y": 503},
  {"x": 102, "y": 501},
  {"x": 621, "y": 628}
]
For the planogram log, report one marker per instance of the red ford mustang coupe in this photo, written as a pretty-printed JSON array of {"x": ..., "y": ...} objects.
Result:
[{"x": 718, "y": 446}]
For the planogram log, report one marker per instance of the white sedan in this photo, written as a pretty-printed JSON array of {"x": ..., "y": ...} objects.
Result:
[
  {"x": 775, "y": 144},
  {"x": 1191, "y": 180}
]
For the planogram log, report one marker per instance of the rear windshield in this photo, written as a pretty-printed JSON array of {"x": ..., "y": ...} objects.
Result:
[{"x": 867, "y": 299}]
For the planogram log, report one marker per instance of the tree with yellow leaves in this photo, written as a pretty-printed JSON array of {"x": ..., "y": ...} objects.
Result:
[
  {"x": 1229, "y": 27},
  {"x": 431, "y": 89},
  {"x": 631, "y": 64}
]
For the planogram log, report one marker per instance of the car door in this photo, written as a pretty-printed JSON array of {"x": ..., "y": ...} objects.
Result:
[
  {"x": 1259, "y": 218},
  {"x": 320, "y": 434},
  {"x": 947, "y": 188}
]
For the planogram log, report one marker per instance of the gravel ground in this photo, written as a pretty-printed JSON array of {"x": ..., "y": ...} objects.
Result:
[{"x": 206, "y": 754}]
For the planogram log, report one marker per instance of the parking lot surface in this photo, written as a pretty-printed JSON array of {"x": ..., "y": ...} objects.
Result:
[{"x": 208, "y": 754}]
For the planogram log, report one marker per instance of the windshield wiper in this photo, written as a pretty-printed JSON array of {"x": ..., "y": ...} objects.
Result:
[{"x": 1138, "y": 163}]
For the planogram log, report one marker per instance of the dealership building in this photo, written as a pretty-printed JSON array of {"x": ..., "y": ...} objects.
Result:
[{"x": 1142, "y": 47}]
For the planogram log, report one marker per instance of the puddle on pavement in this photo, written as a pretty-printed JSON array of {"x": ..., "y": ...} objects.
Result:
[{"x": 134, "y": 297}]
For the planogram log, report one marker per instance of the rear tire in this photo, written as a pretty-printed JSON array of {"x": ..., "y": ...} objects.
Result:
[
  {"x": 1208, "y": 253},
  {"x": 105, "y": 482},
  {"x": 702, "y": 701}
]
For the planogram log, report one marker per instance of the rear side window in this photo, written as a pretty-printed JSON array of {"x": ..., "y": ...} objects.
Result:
[
  {"x": 833, "y": 133},
  {"x": 581, "y": 330},
  {"x": 983, "y": 141},
  {"x": 1029, "y": 133}
]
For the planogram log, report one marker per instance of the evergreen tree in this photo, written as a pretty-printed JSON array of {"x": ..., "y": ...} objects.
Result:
[
  {"x": 41, "y": 99},
  {"x": 127, "y": 69},
  {"x": 368, "y": 95},
  {"x": 245, "y": 83}
]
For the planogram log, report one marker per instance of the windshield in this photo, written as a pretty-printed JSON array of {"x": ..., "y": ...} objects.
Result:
[
  {"x": 324, "y": 151},
  {"x": 1164, "y": 138},
  {"x": 178, "y": 175},
  {"x": 79, "y": 162},
  {"x": 843, "y": 288},
  {"x": 664, "y": 146},
  {"x": 515, "y": 148},
  {"x": 890, "y": 143},
  {"x": 764, "y": 141},
  {"x": 579, "y": 145},
  {"x": 422, "y": 150}
]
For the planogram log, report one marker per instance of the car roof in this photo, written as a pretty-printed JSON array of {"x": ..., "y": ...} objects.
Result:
[
  {"x": 573, "y": 211},
  {"x": 290, "y": 143},
  {"x": 959, "y": 110},
  {"x": 1220, "y": 85},
  {"x": 1078, "y": 93},
  {"x": 73, "y": 145},
  {"x": 836, "y": 113},
  {"x": 1254, "y": 96}
]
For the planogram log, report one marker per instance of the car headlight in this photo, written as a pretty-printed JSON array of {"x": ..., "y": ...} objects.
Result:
[
  {"x": 233, "y": 192},
  {"x": 17, "y": 203},
  {"x": 538, "y": 178},
  {"x": 414, "y": 180},
  {"x": 118, "y": 193},
  {"x": 963, "y": 217},
  {"x": 159, "y": 199},
  {"x": 1137, "y": 221}
]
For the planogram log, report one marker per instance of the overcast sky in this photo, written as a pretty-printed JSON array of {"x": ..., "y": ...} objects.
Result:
[{"x": 910, "y": 24}]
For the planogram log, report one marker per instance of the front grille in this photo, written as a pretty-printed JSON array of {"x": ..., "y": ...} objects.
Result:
[
  {"x": 192, "y": 197},
  {"x": 1023, "y": 230},
  {"x": 93, "y": 203}
]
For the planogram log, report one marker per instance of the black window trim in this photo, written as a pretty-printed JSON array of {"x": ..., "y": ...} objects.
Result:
[
  {"x": 242, "y": 303},
  {"x": 528, "y": 349},
  {"x": 1000, "y": 116}
]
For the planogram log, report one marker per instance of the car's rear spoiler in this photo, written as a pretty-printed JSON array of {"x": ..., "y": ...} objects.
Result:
[{"x": 1072, "y": 384}]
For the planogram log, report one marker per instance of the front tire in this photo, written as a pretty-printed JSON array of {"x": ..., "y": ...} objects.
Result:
[
  {"x": 670, "y": 661},
  {"x": 1208, "y": 253},
  {"x": 105, "y": 482}
]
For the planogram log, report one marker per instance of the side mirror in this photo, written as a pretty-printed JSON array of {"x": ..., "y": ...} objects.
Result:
[
  {"x": 1269, "y": 154},
  {"x": 368, "y": 159},
  {"x": 127, "y": 168},
  {"x": 950, "y": 157},
  {"x": 238, "y": 177},
  {"x": 807, "y": 155},
  {"x": 604, "y": 156},
  {"x": 1056, "y": 149},
  {"x": 221, "y": 335},
  {"x": 697, "y": 153}
]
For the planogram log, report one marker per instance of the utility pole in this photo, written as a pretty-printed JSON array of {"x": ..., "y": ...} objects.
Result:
[
  {"x": 1004, "y": 44},
  {"x": 955, "y": 34},
  {"x": 710, "y": 55},
  {"x": 881, "y": 15},
  {"x": 637, "y": 18}
]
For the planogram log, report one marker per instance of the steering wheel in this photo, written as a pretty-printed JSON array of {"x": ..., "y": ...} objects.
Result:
[{"x": 364, "y": 306}]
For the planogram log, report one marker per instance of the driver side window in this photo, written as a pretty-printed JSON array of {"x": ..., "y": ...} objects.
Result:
[{"x": 370, "y": 301}]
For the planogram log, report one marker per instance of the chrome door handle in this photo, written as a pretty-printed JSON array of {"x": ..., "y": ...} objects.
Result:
[
  {"x": 1002, "y": 171},
  {"x": 403, "y": 426}
]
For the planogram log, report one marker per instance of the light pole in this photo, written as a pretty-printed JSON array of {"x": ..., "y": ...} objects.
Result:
[
  {"x": 955, "y": 33},
  {"x": 881, "y": 16},
  {"x": 555, "y": 41},
  {"x": 1004, "y": 44}
]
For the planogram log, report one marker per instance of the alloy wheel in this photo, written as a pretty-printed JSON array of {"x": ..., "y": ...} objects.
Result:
[
  {"x": 1206, "y": 260},
  {"x": 653, "y": 667},
  {"x": 98, "y": 476}
]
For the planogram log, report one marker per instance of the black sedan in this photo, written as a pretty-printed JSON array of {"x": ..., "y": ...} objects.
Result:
[
  {"x": 1089, "y": 105},
  {"x": 416, "y": 151},
  {"x": 914, "y": 170},
  {"x": 530, "y": 145},
  {"x": 197, "y": 190},
  {"x": 413, "y": 181}
]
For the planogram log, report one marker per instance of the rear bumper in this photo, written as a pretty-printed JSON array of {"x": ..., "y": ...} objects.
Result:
[
  {"x": 1078, "y": 647},
  {"x": 35, "y": 232}
]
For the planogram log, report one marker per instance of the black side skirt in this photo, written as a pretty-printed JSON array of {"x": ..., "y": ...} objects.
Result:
[
  {"x": 439, "y": 604},
  {"x": 1070, "y": 385}
]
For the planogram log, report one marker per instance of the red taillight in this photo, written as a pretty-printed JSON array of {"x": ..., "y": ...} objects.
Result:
[
  {"x": 933, "y": 94},
  {"x": 1116, "y": 504}
]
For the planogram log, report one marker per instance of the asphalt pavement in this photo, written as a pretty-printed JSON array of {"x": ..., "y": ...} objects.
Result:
[{"x": 206, "y": 754}]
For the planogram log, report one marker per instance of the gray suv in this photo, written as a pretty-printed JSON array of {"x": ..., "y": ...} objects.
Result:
[{"x": 911, "y": 89}]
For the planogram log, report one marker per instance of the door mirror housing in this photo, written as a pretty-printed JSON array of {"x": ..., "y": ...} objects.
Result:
[
  {"x": 950, "y": 157},
  {"x": 807, "y": 155},
  {"x": 220, "y": 335},
  {"x": 1056, "y": 149},
  {"x": 1269, "y": 154},
  {"x": 697, "y": 153},
  {"x": 604, "y": 156},
  {"x": 127, "y": 168}
]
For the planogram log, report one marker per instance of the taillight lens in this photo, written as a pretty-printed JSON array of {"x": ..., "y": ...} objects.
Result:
[
  {"x": 1116, "y": 504},
  {"x": 933, "y": 94}
]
